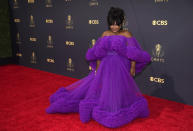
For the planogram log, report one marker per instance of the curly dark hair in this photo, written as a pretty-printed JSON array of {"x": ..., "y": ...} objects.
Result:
[{"x": 115, "y": 14}]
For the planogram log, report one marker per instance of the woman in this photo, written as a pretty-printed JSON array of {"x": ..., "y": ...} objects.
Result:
[{"x": 109, "y": 93}]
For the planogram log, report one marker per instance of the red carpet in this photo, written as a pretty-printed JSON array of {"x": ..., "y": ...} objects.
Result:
[{"x": 24, "y": 94}]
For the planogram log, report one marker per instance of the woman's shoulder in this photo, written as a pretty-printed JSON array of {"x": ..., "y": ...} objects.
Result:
[
  {"x": 128, "y": 34},
  {"x": 125, "y": 33},
  {"x": 105, "y": 33}
]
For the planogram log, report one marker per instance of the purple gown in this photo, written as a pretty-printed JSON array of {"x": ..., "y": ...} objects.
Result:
[{"x": 111, "y": 97}]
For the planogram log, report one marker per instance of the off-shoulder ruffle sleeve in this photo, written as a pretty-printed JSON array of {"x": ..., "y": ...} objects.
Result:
[
  {"x": 132, "y": 51},
  {"x": 135, "y": 53},
  {"x": 97, "y": 52}
]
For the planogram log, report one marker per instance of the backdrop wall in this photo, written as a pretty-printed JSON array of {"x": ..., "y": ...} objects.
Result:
[
  {"x": 5, "y": 39},
  {"x": 54, "y": 36}
]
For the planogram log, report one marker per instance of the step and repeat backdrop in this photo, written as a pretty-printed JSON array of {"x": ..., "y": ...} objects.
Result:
[{"x": 54, "y": 35}]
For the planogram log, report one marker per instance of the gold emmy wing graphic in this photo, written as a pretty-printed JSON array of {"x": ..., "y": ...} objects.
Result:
[
  {"x": 69, "y": 22},
  {"x": 70, "y": 65},
  {"x": 48, "y": 3},
  {"x": 50, "y": 42},
  {"x": 158, "y": 53},
  {"x": 15, "y": 4},
  {"x": 92, "y": 43},
  {"x": 33, "y": 58},
  {"x": 18, "y": 40},
  {"x": 32, "y": 22}
]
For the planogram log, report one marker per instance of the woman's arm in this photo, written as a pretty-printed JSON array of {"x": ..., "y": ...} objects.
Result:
[
  {"x": 97, "y": 66},
  {"x": 132, "y": 71},
  {"x": 98, "y": 63}
]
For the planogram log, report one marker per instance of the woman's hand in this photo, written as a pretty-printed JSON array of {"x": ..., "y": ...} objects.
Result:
[{"x": 132, "y": 71}]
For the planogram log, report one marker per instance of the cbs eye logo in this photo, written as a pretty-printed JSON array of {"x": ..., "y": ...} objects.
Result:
[
  {"x": 93, "y": 22},
  {"x": 17, "y": 20},
  {"x": 159, "y": 22},
  {"x": 157, "y": 80},
  {"x": 49, "y": 60}
]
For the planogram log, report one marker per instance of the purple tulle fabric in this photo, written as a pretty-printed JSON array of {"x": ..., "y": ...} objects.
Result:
[{"x": 111, "y": 97}]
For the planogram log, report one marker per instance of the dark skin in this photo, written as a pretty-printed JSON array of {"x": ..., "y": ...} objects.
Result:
[{"x": 117, "y": 32}]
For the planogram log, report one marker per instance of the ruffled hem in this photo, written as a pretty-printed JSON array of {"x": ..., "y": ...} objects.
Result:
[
  {"x": 57, "y": 95},
  {"x": 64, "y": 107},
  {"x": 88, "y": 109}
]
